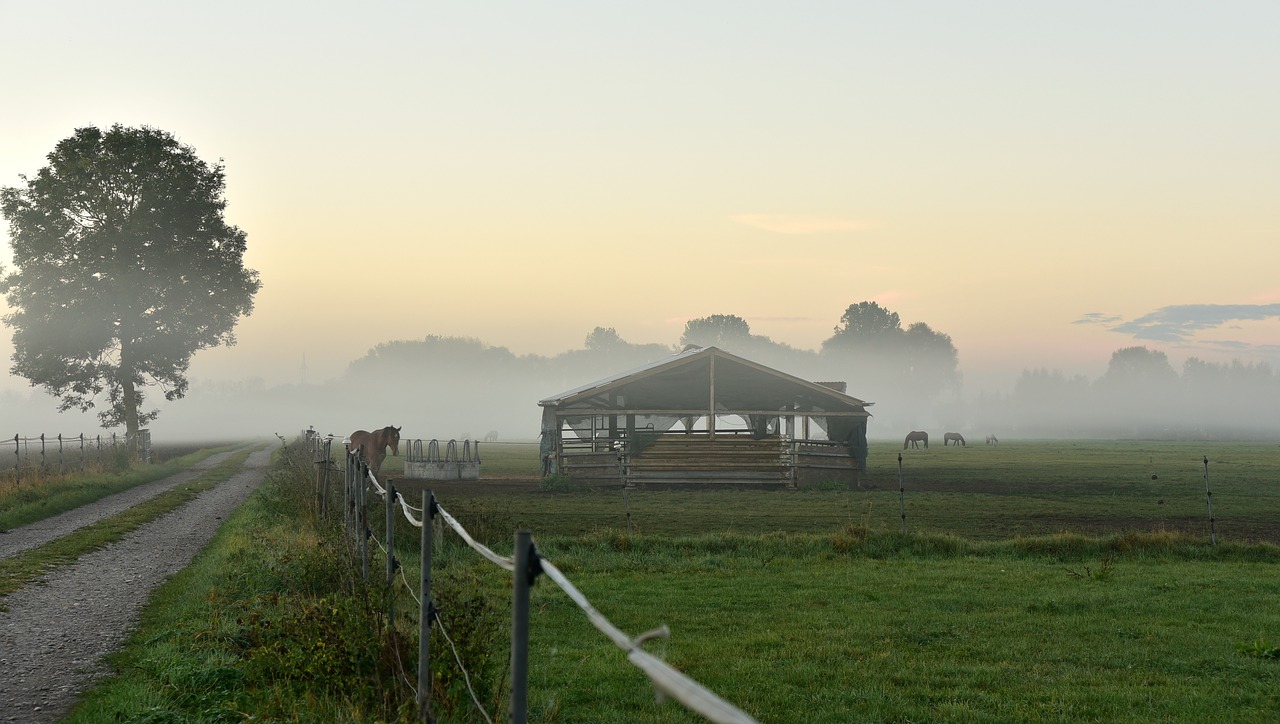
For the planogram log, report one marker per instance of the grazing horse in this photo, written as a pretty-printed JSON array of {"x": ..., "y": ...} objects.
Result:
[
  {"x": 375, "y": 445},
  {"x": 991, "y": 440},
  {"x": 914, "y": 438},
  {"x": 951, "y": 437}
]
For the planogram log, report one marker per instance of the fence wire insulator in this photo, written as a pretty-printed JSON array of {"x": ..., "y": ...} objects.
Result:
[
  {"x": 661, "y": 632},
  {"x": 535, "y": 565}
]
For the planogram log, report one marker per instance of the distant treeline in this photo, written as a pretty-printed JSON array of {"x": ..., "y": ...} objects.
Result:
[{"x": 454, "y": 387}]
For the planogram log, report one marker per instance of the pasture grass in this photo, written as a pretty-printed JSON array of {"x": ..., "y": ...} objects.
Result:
[
  {"x": 806, "y": 606},
  {"x": 1020, "y": 488},
  {"x": 28, "y": 566},
  {"x": 45, "y": 497},
  {"x": 992, "y": 635}
]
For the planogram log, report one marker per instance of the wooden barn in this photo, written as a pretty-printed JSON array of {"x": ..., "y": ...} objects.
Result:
[{"x": 705, "y": 417}]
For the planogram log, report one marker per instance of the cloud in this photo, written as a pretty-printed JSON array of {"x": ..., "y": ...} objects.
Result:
[
  {"x": 795, "y": 224},
  {"x": 1098, "y": 318},
  {"x": 1179, "y": 323},
  {"x": 1182, "y": 324}
]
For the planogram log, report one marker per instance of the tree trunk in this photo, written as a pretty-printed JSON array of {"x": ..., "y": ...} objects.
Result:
[{"x": 128, "y": 395}]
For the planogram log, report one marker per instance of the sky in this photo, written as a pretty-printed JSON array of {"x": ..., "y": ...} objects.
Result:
[{"x": 1044, "y": 182}]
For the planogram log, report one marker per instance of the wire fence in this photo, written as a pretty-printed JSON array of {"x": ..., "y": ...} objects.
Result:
[
  {"x": 58, "y": 454},
  {"x": 526, "y": 564}
]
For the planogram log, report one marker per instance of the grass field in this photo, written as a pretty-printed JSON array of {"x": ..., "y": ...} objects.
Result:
[
  {"x": 1038, "y": 581},
  {"x": 977, "y": 492}
]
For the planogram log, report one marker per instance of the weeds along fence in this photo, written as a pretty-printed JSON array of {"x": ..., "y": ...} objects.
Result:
[
  {"x": 58, "y": 454},
  {"x": 525, "y": 565}
]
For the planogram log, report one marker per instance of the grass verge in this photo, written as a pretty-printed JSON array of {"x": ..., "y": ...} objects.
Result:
[
  {"x": 30, "y": 502},
  {"x": 28, "y": 566},
  {"x": 269, "y": 622}
]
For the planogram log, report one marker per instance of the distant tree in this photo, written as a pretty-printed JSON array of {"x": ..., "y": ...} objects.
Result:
[
  {"x": 123, "y": 268},
  {"x": 727, "y": 331},
  {"x": 1132, "y": 368},
  {"x": 902, "y": 369},
  {"x": 604, "y": 339},
  {"x": 865, "y": 326}
]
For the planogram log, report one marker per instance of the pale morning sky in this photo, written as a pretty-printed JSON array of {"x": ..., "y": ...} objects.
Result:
[{"x": 1045, "y": 182}]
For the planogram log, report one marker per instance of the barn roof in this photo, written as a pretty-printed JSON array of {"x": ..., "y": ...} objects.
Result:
[{"x": 688, "y": 381}]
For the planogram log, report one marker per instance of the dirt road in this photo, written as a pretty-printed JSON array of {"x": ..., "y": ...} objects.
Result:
[{"x": 55, "y": 633}]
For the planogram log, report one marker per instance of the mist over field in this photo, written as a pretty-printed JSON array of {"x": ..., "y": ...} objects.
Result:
[{"x": 451, "y": 387}]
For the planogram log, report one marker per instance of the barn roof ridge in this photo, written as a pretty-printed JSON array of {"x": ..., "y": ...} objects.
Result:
[{"x": 689, "y": 355}]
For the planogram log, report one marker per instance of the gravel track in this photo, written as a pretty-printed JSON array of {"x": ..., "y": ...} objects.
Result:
[
  {"x": 13, "y": 542},
  {"x": 55, "y": 632}
]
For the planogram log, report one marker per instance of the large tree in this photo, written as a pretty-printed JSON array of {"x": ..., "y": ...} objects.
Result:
[
  {"x": 123, "y": 268},
  {"x": 866, "y": 326},
  {"x": 906, "y": 369}
]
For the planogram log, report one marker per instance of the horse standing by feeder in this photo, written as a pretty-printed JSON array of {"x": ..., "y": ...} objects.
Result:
[
  {"x": 373, "y": 445},
  {"x": 951, "y": 437},
  {"x": 914, "y": 438}
]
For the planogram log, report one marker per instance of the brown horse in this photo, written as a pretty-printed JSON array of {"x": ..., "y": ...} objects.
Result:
[
  {"x": 951, "y": 437},
  {"x": 374, "y": 445},
  {"x": 914, "y": 438}
]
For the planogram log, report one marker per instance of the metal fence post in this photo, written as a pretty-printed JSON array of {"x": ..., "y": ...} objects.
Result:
[
  {"x": 362, "y": 516},
  {"x": 328, "y": 465},
  {"x": 902, "y": 496},
  {"x": 349, "y": 497},
  {"x": 1213, "y": 534},
  {"x": 520, "y": 628},
  {"x": 426, "y": 611},
  {"x": 391, "y": 555}
]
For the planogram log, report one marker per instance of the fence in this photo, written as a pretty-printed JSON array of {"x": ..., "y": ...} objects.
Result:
[
  {"x": 59, "y": 454},
  {"x": 525, "y": 565}
]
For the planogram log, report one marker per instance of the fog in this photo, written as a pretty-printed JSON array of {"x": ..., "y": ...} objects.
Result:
[{"x": 449, "y": 387}]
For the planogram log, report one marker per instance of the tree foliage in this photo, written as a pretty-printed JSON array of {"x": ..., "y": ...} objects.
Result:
[
  {"x": 903, "y": 369},
  {"x": 604, "y": 339},
  {"x": 865, "y": 325},
  {"x": 1138, "y": 368},
  {"x": 725, "y": 331},
  {"x": 123, "y": 268}
]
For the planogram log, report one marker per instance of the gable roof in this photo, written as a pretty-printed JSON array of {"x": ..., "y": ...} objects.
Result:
[{"x": 686, "y": 382}]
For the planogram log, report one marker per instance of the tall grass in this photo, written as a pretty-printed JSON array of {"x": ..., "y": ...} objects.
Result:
[
  {"x": 48, "y": 495},
  {"x": 272, "y": 620}
]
